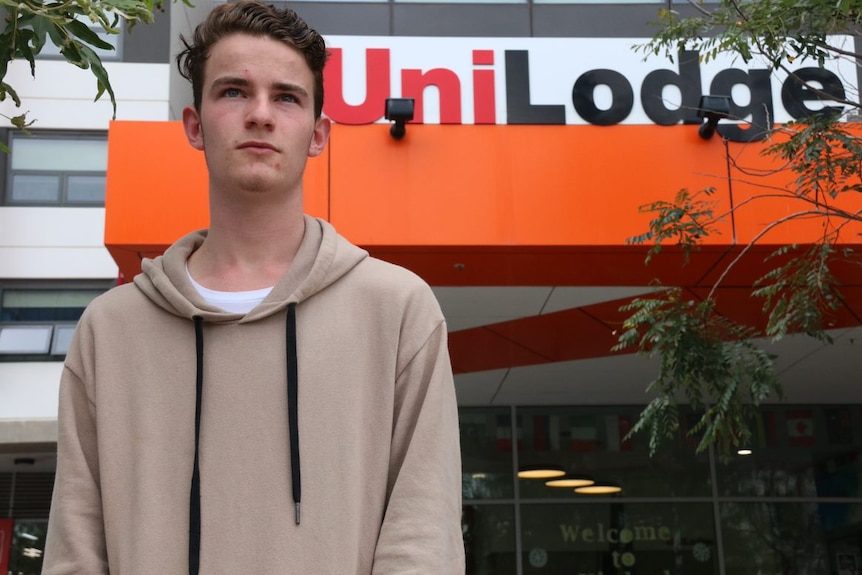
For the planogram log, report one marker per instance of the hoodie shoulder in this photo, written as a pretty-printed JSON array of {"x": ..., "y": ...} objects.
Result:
[{"x": 399, "y": 287}]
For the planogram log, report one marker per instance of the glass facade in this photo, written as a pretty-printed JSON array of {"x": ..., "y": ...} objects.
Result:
[{"x": 792, "y": 507}]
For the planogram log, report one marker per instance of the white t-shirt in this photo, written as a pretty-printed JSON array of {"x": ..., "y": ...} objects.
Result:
[{"x": 231, "y": 301}]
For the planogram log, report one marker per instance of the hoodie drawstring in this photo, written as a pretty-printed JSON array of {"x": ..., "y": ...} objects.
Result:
[
  {"x": 195, "y": 499},
  {"x": 293, "y": 430},
  {"x": 292, "y": 411}
]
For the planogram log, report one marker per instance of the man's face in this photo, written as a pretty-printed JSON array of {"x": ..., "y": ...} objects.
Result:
[{"x": 256, "y": 123}]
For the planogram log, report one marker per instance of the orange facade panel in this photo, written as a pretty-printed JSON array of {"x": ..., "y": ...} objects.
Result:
[{"x": 509, "y": 200}]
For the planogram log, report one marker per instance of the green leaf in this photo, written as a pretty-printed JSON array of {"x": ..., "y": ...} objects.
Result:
[
  {"x": 84, "y": 32},
  {"x": 103, "y": 83}
]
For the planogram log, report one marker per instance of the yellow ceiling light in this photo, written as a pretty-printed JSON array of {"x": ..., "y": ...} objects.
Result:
[
  {"x": 570, "y": 481},
  {"x": 599, "y": 488},
  {"x": 541, "y": 472}
]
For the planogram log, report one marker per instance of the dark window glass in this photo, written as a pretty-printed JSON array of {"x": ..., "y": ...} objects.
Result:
[
  {"x": 489, "y": 539},
  {"x": 28, "y": 544},
  {"x": 619, "y": 538},
  {"x": 592, "y": 442},
  {"x": 486, "y": 453},
  {"x": 44, "y": 305},
  {"x": 800, "y": 538},
  {"x": 799, "y": 452}
]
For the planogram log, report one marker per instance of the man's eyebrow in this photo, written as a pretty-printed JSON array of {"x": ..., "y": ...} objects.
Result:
[
  {"x": 287, "y": 87},
  {"x": 229, "y": 80}
]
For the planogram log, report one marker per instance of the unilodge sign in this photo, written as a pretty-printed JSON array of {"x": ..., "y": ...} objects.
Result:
[{"x": 573, "y": 81}]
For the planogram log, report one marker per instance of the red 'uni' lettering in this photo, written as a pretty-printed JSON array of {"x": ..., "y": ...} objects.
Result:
[
  {"x": 414, "y": 83},
  {"x": 377, "y": 88}
]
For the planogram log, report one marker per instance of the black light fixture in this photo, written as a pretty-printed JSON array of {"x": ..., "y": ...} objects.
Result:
[
  {"x": 540, "y": 471},
  {"x": 713, "y": 108},
  {"x": 400, "y": 111}
]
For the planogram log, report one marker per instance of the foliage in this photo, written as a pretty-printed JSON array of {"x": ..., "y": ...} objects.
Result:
[
  {"x": 29, "y": 24},
  {"x": 705, "y": 359}
]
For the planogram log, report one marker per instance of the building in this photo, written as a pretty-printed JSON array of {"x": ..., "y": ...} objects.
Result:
[{"x": 538, "y": 134}]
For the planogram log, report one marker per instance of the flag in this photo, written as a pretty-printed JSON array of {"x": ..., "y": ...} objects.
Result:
[
  {"x": 583, "y": 433},
  {"x": 800, "y": 427},
  {"x": 839, "y": 425},
  {"x": 546, "y": 433},
  {"x": 616, "y": 428},
  {"x": 541, "y": 433}
]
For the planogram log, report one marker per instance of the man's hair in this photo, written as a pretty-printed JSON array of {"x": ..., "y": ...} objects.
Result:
[{"x": 257, "y": 19}]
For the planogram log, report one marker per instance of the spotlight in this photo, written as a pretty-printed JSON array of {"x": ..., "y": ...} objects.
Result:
[
  {"x": 713, "y": 108},
  {"x": 400, "y": 111}
]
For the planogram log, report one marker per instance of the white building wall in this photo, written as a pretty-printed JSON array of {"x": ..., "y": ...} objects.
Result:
[
  {"x": 54, "y": 243},
  {"x": 62, "y": 243},
  {"x": 61, "y": 95}
]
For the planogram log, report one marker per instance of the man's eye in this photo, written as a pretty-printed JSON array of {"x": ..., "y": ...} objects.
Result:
[
  {"x": 232, "y": 93},
  {"x": 288, "y": 98}
]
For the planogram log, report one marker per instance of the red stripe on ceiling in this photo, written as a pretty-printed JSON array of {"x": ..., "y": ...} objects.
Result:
[{"x": 591, "y": 331}]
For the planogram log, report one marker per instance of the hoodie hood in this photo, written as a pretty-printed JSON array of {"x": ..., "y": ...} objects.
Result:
[{"x": 323, "y": 257}]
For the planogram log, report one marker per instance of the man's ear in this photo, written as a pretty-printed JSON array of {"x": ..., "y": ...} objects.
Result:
[
  {"x": 319, "y": 137},
  {"x": 192, "y": 126}
]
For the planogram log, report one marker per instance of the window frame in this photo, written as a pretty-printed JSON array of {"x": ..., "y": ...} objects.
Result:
[{"x": 70, "y": 136}]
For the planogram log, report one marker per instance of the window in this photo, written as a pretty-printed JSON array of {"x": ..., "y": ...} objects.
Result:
[
  {"x": 48, "y": 169},
  {"x": 791, "y": 506},
  {"x": 39, "y": 322}
]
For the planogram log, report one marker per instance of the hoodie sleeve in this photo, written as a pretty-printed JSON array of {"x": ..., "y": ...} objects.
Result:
[
  {"x": 76, "y": 538},
  {"x": 421, "y": 531}
]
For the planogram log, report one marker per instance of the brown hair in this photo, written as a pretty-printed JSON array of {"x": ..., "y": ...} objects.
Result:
[{"x": 258, "y": 19}]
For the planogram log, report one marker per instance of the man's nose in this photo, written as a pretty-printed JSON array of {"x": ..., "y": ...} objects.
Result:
[{"x": 260, "y": 113}]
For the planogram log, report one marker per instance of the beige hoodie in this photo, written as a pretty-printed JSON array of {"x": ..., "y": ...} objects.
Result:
[{"x": 377, "y": 426}]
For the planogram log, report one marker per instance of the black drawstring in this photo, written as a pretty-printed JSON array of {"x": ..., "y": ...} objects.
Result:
[
  {"x": 195, "y": 500},
  {"x": 292, "y": 421},
  {"x": 293, "y": 430}
]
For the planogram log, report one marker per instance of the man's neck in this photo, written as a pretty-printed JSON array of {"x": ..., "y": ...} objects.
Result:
[{"x": 247, "y": 247}]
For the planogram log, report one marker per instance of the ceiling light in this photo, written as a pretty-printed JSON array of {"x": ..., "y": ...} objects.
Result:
[
  {"x": 570, "y": 481},
  {"x": 601, "y": 488},
  {"x": 540, "y": 471}
]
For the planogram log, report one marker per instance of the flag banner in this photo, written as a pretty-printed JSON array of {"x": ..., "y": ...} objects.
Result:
[
  {"x": 583, "y": 435},
  {"x": 541, "y": 433},
  {"x": 800, "y": 427},
  {"x": 616, "y": 428}
]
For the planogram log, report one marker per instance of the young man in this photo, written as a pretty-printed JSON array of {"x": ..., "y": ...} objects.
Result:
[{"x": 264, "y": 398}]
